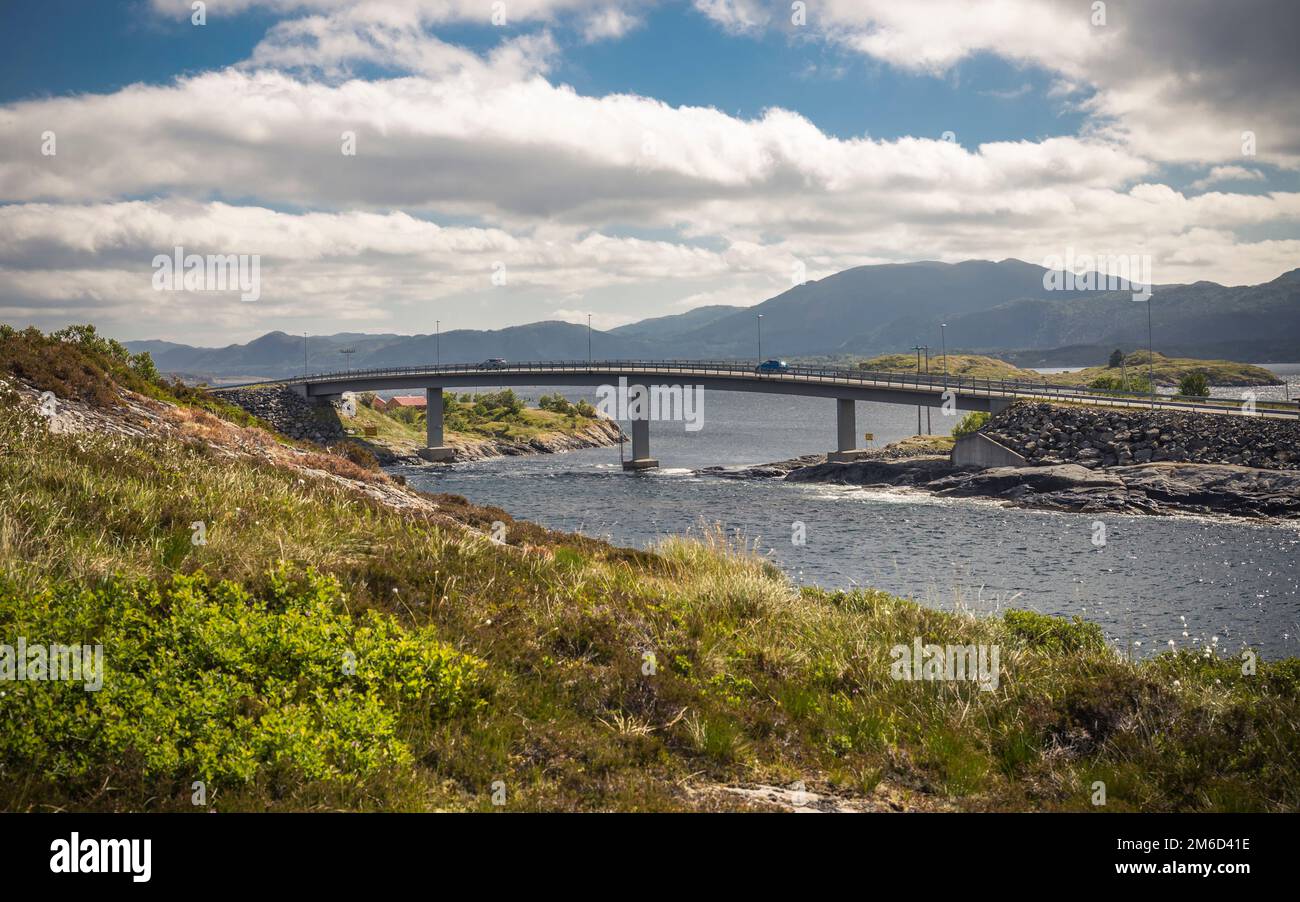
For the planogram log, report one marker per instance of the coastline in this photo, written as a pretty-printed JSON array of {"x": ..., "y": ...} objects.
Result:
[
  {"x": 1155, "y": 489},
  {"x": 598, "y": 434}
]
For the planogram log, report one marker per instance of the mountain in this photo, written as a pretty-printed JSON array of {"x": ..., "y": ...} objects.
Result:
[
  {"x": 1203, "y": 319},
  {"x": 664, "y": 327},
  {"x": 278, "y": 354},
  {"x": 1002, "y": 307},
  {"x": 997, "y": 308}
]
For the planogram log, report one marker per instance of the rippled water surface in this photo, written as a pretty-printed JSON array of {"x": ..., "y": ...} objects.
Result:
[{"x": 1155, "y": 578}]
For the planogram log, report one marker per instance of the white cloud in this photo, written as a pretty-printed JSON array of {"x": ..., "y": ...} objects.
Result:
[
  {"x": 1176, "y": 80},
  {"x": 736, "y": 16},
  {"x": 554, "y": 184},
  {"x": 1219, "y": 174},
  {"x": 608, "y": 23}
]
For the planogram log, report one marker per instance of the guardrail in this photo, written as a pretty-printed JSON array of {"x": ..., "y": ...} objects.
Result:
[{"x": 796, "y": 373}]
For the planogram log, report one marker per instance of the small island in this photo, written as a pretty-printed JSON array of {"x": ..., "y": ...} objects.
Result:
[{"x": 1121, "y": 372}]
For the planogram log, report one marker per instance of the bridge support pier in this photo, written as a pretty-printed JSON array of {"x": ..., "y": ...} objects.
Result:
[
  {"x": 997, "y": 405},
  {"x": 641, "y": 459},
  {"x": 436, "y": 450},
  {"x": 846, "y": 439}
]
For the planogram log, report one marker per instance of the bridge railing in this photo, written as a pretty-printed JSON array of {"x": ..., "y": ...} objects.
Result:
[{"x": 849, "y": 376}]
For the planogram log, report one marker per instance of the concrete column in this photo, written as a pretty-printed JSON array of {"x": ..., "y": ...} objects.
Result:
[
  {"x": 641, "y": 459},
  {"x": 436, "y": 450},
  {"x": 846, "y": 432},
  {"x": 433, "y": 417},
  {"x": 846, "y": 425}
]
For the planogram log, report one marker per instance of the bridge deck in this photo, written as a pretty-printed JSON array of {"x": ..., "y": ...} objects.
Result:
[{"x": 833, "y": 382}]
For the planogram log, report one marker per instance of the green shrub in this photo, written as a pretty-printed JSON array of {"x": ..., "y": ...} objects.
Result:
[
  {"x": 1194, "y": 385},
  {"x": 972, "y": 422},
  {"x": 1136, "y": 383},
  {"x": 214, "y": 681},
  {"x": 556, "y": 403}
]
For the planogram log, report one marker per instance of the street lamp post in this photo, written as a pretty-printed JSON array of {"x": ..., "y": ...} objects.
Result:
[
  {"x": 927, "y": 372},
  {"x": 1151, "y": 358},
  {"x": 588, "y": 339},
  {"x": 943, "y": 342},
  {"x": 760, "y": 338},
  {"x": 917, "y": 348},
  {"x": 437, "y": 341}
]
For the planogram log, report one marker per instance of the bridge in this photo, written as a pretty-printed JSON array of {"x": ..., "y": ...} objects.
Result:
[{"x": 843, "y": 385}]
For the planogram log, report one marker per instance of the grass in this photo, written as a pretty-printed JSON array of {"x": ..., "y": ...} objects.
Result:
[
  {"x": 971, "y": 366},
  {"x": 582, "y": 676},
  {"x": 1169, "y": 370}
]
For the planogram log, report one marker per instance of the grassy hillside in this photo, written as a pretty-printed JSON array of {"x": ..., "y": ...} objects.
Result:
[
  {"x": 1168, "y": 370},
  {"x": 973, "y": 366},
  {"x": 339, "y": 641}
]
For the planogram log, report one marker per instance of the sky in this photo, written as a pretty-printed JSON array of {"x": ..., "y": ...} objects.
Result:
[{"x": 393, "y": 165}]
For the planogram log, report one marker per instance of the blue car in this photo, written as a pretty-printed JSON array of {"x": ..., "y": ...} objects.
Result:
[{"x": 772, "y": 366}]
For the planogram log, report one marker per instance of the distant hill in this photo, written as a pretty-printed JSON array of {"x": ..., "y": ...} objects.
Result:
[
  {"x": 278, "y": 354},
  {"x": 870, "y": 309},
  {"x": 666, "y": 327},
  {"x": 1203, "y": 319},
  {"x": 999, "y": 309},
  {"x": 973, "y": 366},
  {"x": 1166, "y": 370}
]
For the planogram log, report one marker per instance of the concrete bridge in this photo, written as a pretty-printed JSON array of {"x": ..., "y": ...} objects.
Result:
[{"x": 844, "y": 386}]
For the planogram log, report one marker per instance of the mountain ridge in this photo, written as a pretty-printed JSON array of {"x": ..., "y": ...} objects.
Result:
[{"x": 977, "y": 306}]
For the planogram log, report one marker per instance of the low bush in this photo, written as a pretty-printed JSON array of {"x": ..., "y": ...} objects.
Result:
[{"x": 216, "y": 681}]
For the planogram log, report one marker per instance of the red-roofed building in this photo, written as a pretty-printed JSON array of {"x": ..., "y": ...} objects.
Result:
[{"x": 417, "y": 402}]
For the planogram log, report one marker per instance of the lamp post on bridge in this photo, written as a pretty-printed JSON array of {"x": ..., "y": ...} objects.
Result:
[
  {"x": 437, "y": 342},
  {"x": 1151, "y": 356},
  {"x": 943, "y": 343},
  {"x": 918, "y": 347},
  {"x": 760, "y": 338},
  {"x": 927, "y": 372},
  {"x": 588, "y": 339}
]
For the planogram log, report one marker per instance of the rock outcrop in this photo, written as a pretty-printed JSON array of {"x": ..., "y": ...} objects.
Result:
[
  {"x": 598, "y": 434},
  {"x": 1095, "y": 437},
  {"x": 291, "y": 414},
  {"x": 1155, "y": 488}
]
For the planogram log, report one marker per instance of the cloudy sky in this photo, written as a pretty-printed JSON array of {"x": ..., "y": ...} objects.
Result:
[{"x": 523, "y": 160}]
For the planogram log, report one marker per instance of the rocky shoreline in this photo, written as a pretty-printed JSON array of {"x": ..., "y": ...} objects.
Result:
[
  {"x": 1079, "y": 469},
  {"x": 599, "y": 434},
  {"x": 295, "y": 417}
]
